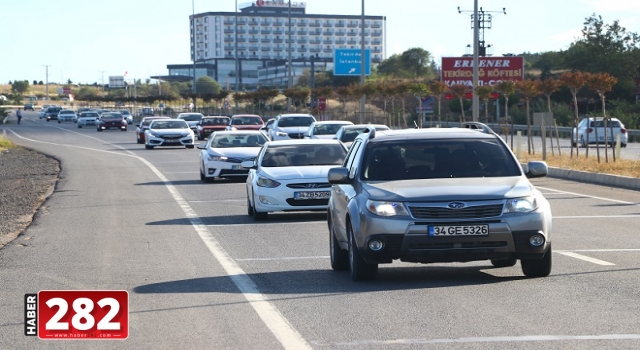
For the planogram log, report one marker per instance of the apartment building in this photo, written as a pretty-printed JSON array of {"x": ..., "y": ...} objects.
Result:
[{"x": 258, "y": 37}]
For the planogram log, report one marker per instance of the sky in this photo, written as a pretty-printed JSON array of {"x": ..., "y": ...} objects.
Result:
[{"x": 87, "y": 41}]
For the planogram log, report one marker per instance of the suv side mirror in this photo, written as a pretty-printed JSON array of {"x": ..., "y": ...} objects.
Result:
[
  {"x": 338, "y": 176},
  {"x": 536, "y": 169}
]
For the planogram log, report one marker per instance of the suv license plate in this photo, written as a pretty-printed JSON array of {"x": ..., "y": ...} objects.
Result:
[
  {"x": 312, "y": 195},
  {"x": 470, "y": 230}
]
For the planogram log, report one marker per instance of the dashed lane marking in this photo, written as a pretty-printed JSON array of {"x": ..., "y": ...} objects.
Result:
[{"x": 586, "y": 258}]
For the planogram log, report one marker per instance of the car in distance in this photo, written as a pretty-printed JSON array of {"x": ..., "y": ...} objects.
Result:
[
  {"x": 88, "y": 118},
  {"x": 29, "y": 107},
  {"x": 67, "y": 115},
  {"x": 52, "y": 113},
  {"x": 325, "y": 129},
  {"x": 169, "y": 132},
  {"x": 245, "y": 122},
  {"x": 147, "y": 112},
  {"x": 82, "y": 109},
  {"x": 144, "y": 125},
  {"x": 291, "y": 175},
  {"x": 111, "y": 121},
  {"x": 224, "y": 152},
  {"x": 585, "y": 133},
  {"x": 127, "y": 116},
  {"x": 290, "y": 126},
  {"x": 436, "y": 195},
  {"x": 192, "y": 119},
  {"x": 209, "y": 124},
  {"x": 348, "y": 133}
]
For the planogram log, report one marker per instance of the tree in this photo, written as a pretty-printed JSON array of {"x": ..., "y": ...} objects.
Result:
[
  {"x": 391, "y": 66},
  {"x": 547, "y": 87},
  {"x": 602, "y": 83},
  {"x": 417, "y": 61},
  {"x": 529, "y": 89},
  {"x": 35, "y": 82},
  {"x": 574, "y": 81},
  {"x": 420, "y": 91},
  {"x": 459, "y": 91},
  {"x": 506, "y": 88},
  {"x": 484, "y": 93},
  {"x": 206, "y": 85},
  {"x": 20, "y": 87},
  {"x": 438, "y": 89}
]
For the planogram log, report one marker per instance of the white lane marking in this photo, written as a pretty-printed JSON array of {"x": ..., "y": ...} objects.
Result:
[
  {"x": 180, "y": 172},
  {"x": 285, "y": 258},
  {"x": 503, "y": 339},
  {"x": 267, "y": 224},
  {"x": 599, "y": 250},
  {"x": 221, "y": 200},
  {"x": 279, "y": 326},
  {"x": 586, "y": 258},
  {"x": 596, "y": 216},
  {"x": 589, "y": 196}
]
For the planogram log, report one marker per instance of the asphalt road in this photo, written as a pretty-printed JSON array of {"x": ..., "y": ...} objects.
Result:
[{"x": 201, "y": 274}]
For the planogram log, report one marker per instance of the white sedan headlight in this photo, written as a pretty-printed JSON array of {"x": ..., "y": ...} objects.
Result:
[
  {"x": 153, "y": 134},
  {"x": 521, "y": 205},
  {"x": 266, "y": 182},
  {"x": 216, "y": 158},
  {"x": 387, "y": 208}
]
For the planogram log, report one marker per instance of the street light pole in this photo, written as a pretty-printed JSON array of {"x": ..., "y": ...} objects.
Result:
[
  {"x": 475, "y": 109},
  {"x": 46, "y": 66},
  {"x": 363, "y": 99},
  {"x": 290, "y": 78},
  {"x": 193, "y": 24},
  {"x": 237, "y": 74}
]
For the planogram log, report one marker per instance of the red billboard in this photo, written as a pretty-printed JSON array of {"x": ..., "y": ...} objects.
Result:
[{"x": 491, "y": 70}]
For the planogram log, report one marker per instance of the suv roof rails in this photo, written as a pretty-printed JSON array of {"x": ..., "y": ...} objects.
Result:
[
  {"x": 478, "y": 126},
  {"x": 371, "y": 131}
]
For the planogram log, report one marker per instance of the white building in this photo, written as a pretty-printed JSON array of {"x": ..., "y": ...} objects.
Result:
[{"x": 258, "y": 36}]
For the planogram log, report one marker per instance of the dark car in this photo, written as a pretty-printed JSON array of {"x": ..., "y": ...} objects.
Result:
[
  {"x": 111, "y": 121},
  {"x": 433, "y": 196},
  {"x": 144, "y": 125},
  {"x": 52, "y": 113},
  {"x": 29, "y": 106},
  {"x": 207, "y": 125}
]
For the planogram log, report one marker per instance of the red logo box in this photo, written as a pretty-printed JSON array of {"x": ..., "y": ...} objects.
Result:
[{"x": 83, "y": 314}]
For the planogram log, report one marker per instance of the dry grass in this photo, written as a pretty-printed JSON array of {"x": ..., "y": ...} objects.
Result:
[
  {"x": 623, "y": 167},
  {"x": 5, "y": 143}
]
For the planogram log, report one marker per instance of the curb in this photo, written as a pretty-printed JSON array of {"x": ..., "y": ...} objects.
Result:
[{"x": 626, "y": 182}]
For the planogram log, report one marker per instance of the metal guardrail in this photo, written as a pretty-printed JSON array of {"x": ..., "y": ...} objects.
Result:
[{"x": 563, "y": 131}]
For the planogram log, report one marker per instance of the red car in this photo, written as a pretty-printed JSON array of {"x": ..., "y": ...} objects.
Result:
[
  {"x": 207, "y": 125},
  {"x": 144, "y": 125},
  {"x": 245, "y": 122}
]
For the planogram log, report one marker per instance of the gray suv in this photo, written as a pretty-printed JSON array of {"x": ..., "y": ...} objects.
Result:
[{"x": 436, "y": 195}]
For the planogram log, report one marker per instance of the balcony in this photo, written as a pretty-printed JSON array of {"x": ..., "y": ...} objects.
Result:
[
  {"x": 327, "y": 24},
  {"x": 265, "y": 23},
  {"x": 352, "y": 42},
  {"x": 228, "y": 21},
  {"x": 377, "y": 42},
  {"x": 266, "y": 48},
  {"x": 278, "y": 24},
  {"x": 265, "y": 40},
  {"x": 278, "y": 41},
  {"x": 340, "y": 42},
  {"x": 315, "y": 42},
  {"x": 315, "y": 33},
  {"x": 229, "y": 56},
  {"x": 377, "y": 33},
  {"x": 340, "y": 24},
  {"x": 278, "y": 49},
  {"x": 303, "y": 32},
  {"x": 254, "y": 23},
  {"x": 353, "y": 33},
  {"x": 328, "y": 32},
  {"x": 242, "y": 40},
  {"x": 376, "y": 25},
  {"x": 254, "y": 31},
  {"x": 253, "y": 48},
  {"x": 327, "y": 50},
  {"x": 228, "y": 31},
  {"x": 229, "y": 47},
  {"x": 352, "y": 25},
  {"x": 253, "y": 40},
  {"x": 242, "y": 21},
  {"x": 377, "y": 51},
  {"x": 265, "y": 31},
  {"x": 303, "y": 41},
  {"x": 278, "y": 31},
  {"x": 228, "y": 40},
  {"x": 314, "y": 50},
  {"x": 314, "y": 24},
  {"x": 327, "y": 41},
  {"x": 242, "y": 31}
]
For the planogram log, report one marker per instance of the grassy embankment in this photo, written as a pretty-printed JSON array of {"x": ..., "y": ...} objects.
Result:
[{"x": 624, "y": 167}]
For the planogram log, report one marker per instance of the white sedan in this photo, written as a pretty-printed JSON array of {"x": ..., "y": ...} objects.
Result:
[
  {"x": 292, "y": 176},
  {"x": 169, "y": 132},
  {"x": 326, "y": 129},
  {"x": 88, "y": 118},
  {"x": 224, "y": 152}
]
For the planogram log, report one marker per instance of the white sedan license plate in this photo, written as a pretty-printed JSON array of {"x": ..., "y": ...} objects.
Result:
[
  {"x": 468, "y": 230},
  {"x": 312, "y": 195},
  {"x": 236, "y": 167}
]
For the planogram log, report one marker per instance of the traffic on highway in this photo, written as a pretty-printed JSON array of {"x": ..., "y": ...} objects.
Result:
[{"x": 196, "y": 259}]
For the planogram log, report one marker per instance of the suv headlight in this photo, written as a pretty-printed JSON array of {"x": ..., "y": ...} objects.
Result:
[
  {"x": 266, "y": 182},
  {"x": 521, "y": 205},
  {"x": 387, "y": 208}
]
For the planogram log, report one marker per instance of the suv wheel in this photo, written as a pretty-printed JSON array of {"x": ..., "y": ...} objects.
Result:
[
  {"x": 539, "y": 267},
  {"x": 360, "y": 270},
  {"x": 339, "y": 257},
  {"x": 504, "y": 262}
]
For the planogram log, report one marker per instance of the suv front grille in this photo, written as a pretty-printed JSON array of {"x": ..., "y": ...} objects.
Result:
[{"x": 481, "y": 211}]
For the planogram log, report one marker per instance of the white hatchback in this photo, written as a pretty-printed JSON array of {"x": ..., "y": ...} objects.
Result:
[{"x": 292, "y": 176}]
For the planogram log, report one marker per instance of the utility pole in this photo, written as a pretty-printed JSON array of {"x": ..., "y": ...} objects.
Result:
[
  {"x": 46, "y": 66},
  {"x": 290, "y": 78},
  {"x": 237, "y": 73},
  {"x": 102, "y": 72},
  {"x": 195, "y": 43},
  {"x": 363, "y": 99}
]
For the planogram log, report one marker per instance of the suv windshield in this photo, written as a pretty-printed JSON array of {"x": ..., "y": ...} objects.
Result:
[
  {"x": 286, "y": 122},
  {"x": 432, "y": 159}
]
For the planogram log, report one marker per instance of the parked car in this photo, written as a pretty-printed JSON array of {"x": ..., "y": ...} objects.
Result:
[
  {"x": 585, "y": 135},
  {"x": 348, "y": 133},
  {"x": 127, "y": 116},
  {"x": 169, "y": 132},
  {"x": 224, "y": 152},
  {"x": 88, "y": 118},
  {"x": 245, "y": 122},
  {"x": 111, "y": 121},
  {"x": 207, "y": 125},
  {"x": 290, "y": 126},
  {"x": 52, "y": 113},
  {"x": 143, "y": 126},
  {"x": 192, "y": 119},
  {"x": 67, "y": 115},
  {"x": 29, "y": 107},
  {"x": 291, "y": 175},
  {"x": 436, "y": 195},
  {"x": 325, "y": 129}
]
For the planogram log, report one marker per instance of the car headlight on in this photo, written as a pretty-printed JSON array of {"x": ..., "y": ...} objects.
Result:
[
  {"x": 280, "y": 133},
  {"x": 216, "y": 158},
  {"x": 521, "y": 205},
  {"x": 387, "y": 208},
  {"x": 266, "y": 182}
]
